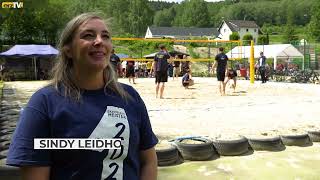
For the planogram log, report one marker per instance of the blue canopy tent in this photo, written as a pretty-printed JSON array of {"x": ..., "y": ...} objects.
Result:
[
  {"x": 122, "y": 55},
  {"x": 30, "y": 51}
]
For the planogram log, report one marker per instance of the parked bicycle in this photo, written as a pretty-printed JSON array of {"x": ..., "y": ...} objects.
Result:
[{"x": 294, "y": 76}]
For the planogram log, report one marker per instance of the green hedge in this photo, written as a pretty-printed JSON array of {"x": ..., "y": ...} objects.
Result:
[{"x": 202, "y": 74}]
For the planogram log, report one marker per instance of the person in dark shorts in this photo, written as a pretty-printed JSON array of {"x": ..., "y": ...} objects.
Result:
[
  {"x": 130, "y": 71},
  {"x": 160, "y": 67},
  {"x": 187, "y": 79},
  {"x": 232, "y": 74},
  {"x": 261, "y": 64},
  {"x": 115, "y": 62},
  {"x": 221, "y": 64}
]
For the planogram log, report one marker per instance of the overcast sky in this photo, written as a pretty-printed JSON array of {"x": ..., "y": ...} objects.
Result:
[{"x": 183, "y": 0}]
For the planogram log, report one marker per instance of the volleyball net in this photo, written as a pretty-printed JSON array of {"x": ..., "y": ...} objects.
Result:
[
  {"x": 198, "y": 50},
  {"x": 201, "y": 51}
]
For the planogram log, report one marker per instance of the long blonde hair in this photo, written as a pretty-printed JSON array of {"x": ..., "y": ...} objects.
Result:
[{"x": 62, "y": 71}]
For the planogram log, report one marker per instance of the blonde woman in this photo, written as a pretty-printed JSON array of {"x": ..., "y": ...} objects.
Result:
[{"x": 84, "y": 100}]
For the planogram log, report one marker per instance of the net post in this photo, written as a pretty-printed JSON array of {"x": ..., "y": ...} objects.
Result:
[{"x": 252, "y": 63}]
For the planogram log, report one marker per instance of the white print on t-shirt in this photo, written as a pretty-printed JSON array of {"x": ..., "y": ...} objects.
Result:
[
  {"x": 113, "y": 124},
  {"x": 260, "y": 61}
]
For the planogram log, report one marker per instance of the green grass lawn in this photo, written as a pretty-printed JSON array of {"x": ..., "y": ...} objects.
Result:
[{"x": 276, "y": 39}]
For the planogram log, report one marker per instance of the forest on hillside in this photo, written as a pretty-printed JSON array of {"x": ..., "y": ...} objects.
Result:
[{"x": 40, "y": 21}]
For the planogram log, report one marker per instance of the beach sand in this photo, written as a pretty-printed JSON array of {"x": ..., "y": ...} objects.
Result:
[
  {"x": 201, "y": 111},
  {"x": 252, "y": 109}
]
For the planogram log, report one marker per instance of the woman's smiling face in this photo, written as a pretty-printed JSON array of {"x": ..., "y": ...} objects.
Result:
[{"x": 91, "y": 46}]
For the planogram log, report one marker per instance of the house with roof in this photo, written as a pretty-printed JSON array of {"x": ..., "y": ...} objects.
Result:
[
  {"x": 242, "y": 27},
  {"x": 180, "y": 32}
]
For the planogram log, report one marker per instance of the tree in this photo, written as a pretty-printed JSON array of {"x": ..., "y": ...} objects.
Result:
[
  {"x": 118, "y": 16},
  {"x": 21, "y": 27},
  {"x": 265, "y": 12},
  {"x": 231, "y": 1},
  {"x": 192, "y": 13},
  {"x": 36, "y": 23},
  {"x": 234, "y": 36},
  {"x": 140, "y": 16},
  {"x": 160, "y": 5},
  {"x": 214, "y": 10},
  {"x": 239, "y": 11},
  {"x": 164, "y": 18},
  {"x": 290, "y": 33},
  {"x": 314, "y": 25},
  {"x": 10, "y": 27},
  {"x": 197, "y": 13},
  {"x": 51, "y": 19}
]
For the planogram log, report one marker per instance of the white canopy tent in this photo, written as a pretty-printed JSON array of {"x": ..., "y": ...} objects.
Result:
[{"x": 275, "y": 51}]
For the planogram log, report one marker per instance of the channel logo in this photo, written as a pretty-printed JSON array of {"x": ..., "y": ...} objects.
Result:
[{"x": 14, "y": 5}]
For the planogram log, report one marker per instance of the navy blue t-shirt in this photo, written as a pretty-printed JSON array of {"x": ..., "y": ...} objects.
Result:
[
  {"x": 222, "y": 62},
  {"x": 161, "y": 60},
  {"x": 50, "y": 115},
  {"x": 115, "y": 61}
]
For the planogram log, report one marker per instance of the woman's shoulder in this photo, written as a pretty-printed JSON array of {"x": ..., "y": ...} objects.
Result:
[
  {"x": 131, "y": 91},
  {"x": 46, "y": 91},
  {"x": 42, "y": 96}
]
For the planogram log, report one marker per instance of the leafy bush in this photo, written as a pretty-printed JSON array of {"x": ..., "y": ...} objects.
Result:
[
  {"x": 202, "y": 74},
  {"x": 263, "y": 40},
  {"x": 234, "y": 36},
  {"x": 247, "y": 38},
  {"x": 196, "y": 44},
  {"x": 192, "y": 53}
]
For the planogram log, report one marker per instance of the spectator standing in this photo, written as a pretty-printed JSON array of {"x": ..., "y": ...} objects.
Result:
[
  {"x": 262, "y": 67},
  {"x": 124, "y": 67},
  {"x": 115, "y": 62},
  {"x": 130, "y": 68},
  {"x": 176, "y": 67},
  {"x": 149, "y": 68},
  {"x": 160, "y": 67}
]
